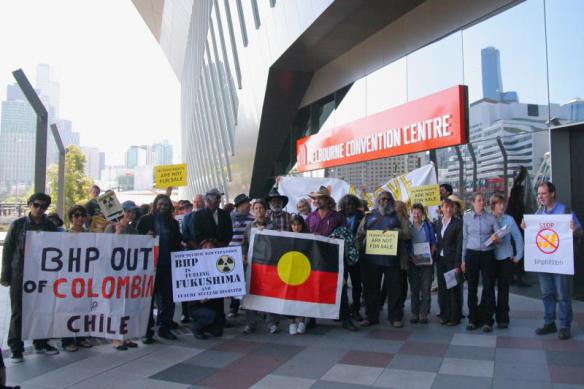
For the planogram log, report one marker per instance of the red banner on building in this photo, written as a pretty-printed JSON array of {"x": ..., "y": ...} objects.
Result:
[{"x": 432, "y": 122}]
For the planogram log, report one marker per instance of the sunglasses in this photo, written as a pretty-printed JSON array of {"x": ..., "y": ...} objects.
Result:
[
  {"x": 77, "y": 214},
  {"x": 40, "y": 205}
]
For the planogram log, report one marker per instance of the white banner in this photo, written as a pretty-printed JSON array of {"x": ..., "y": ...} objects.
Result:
[
  {"x": 548, "y": 244},
  {"x": 297, "y": 188},
  {"x": 206, "y": 274},
  {"x": 86, "y": 284}
]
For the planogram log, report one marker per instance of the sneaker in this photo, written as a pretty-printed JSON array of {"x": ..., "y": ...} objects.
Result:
[
  {"x": 248, "y": 329},
  {"x": 274, "y": 329},
  {"x": 293, "y": 329},
  {"x": 185, "y": 319},
  {"x": 46, "y": 349},
  {"x": 564, "y": 333},
  {"x": 17, "y": 357},
  {"x": 301, "y": 328},
  {"x": 547, "y": 329}
]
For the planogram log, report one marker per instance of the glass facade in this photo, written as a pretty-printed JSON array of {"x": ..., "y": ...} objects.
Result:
[{"x": 521, "y": 66}]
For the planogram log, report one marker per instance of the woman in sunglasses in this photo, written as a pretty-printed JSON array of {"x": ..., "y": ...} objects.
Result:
[{"x": 77, "y": 218}]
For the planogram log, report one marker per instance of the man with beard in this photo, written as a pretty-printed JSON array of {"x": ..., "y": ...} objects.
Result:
[
  {"x": 323, "y": 221},
  {"x": 383, "y": 218},
  {"x": 161, "y": 223},
  {"x": 279, "y": 218}
]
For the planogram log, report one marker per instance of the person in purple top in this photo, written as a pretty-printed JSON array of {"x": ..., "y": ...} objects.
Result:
[
  {"x": 555, "y": 287},
  {"x": 323, "y": 221}
]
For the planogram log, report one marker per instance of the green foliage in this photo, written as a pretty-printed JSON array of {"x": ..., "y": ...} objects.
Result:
[{"x": 77, "y": 184}]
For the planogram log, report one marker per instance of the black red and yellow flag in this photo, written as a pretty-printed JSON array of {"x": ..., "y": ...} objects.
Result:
[{"x": 300, "y": 268}]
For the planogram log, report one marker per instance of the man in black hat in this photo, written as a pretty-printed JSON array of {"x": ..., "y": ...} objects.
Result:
[
  {"x": 279, "y": 218},
  {"x": 240, "y": 219}
]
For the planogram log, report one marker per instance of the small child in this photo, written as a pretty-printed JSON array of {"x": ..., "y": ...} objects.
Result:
[{"x": 297, "y": 325}]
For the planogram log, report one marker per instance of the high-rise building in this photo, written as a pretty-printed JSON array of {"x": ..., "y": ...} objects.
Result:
[
  {"x": 161, "y": 153},
  {"x": 68, "y": 136},
  {"x": 136, "y": 156},
  {"x": 491, "y": 75},
  {"x": 92, "y": 162}
]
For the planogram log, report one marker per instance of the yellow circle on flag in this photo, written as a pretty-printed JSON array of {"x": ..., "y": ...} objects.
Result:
[{"x": 294, "y": 268}]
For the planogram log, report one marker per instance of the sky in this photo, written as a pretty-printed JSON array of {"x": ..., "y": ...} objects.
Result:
[{"x": 116, "y": 84}]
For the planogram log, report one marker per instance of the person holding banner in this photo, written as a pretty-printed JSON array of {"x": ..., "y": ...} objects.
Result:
[
  {"x": 478, "y": 261},
  {"x": 449, "y": 249},
  {"x": 556, "y": 287},
  {"x": 421, "y": 267},
  {"x": 375, "y": 266},
  {"x": 13, "y": 271},
  {"x": 506, "y": 258},
  {"x": 161, "y": 223},
  {"x": 323, "y": 221}
]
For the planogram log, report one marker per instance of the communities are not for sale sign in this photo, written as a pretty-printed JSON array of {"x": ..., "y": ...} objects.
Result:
[{"x": 548, "y": 244}]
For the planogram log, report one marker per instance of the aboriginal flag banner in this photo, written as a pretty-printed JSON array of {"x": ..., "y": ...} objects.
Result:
[{"x": 294, "y": 274}]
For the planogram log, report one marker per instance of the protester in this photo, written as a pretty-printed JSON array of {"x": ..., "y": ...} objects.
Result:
[
  {"x": 303, "y": 208},
  {"x": 186, "y": 209},
  {"x": 297, "y": 325},
  {"x": 421, "y": 268},
  {"x": 13, "y": 271},
  {"x": 323, "y": 221},
  {"x": 458, "y": 206},
  {"x": 92, "y": 206},
  {"x": 383, "y": 218},
  {"x": 279, "y": 218},
  {"x": 478, "y": 260},
  {"x": 260, "y": 208},
  {"x": 212, "y": 228},
  {"x": 445, "y": 190},
  {"x": 161, "y": 223},
  {"x": 56, "y": 220},
  {"x": 556, "y": 287},
  {"x": 349, "y": 208},
  {"x": 187, "y": 222},
  {"x": 506, "y": 257},
  {"x": 449, "y": 254},
  {"x": 77, "y": 215},
  {"x": 240, "y": 218},
  {"x": 229, "y": 208}
]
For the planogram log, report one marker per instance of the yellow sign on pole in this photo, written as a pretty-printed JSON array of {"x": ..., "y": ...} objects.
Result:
[
  {"x": 428, "y": 195},
  {"x": 170, "y": 175},
  {"x": 381, "y": 242}
]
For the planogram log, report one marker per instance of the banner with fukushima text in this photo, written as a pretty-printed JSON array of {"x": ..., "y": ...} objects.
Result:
[{"x": 86, "y": 284}]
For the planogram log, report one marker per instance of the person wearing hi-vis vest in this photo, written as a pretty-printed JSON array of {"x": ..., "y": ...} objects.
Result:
[
  {"x": 555, "y": 287},
  {"x": 374, "y": 266}
]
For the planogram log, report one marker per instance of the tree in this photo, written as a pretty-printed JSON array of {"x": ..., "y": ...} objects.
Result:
[{"x": 77, "y": 184}]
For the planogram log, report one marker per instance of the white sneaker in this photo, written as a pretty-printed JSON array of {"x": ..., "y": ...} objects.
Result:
[
  {"x": 274, "y": 329},
  {"x": 301, "y": 328},
  {"x": 293, "y": 329}
]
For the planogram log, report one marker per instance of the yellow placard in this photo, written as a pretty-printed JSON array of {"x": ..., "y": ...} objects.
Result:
[
  {"x": 428, "y": 195},
  {"x": 170, "y": 175},
  {"x": 381, "y": 243}
]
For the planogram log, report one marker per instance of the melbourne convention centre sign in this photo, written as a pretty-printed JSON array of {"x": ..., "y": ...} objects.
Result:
[{"x": 432, "y": 122}]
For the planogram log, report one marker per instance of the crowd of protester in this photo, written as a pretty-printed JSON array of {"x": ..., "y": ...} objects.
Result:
[{"x": 429, "y": 246}]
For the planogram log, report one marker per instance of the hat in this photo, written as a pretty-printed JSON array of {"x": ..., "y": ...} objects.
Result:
[
  {"x": 454, "y": 198},
  {"x": 274, "y": 194},
  {"x": 214, "y": 192},
  {"x": 321, "y": 192},
  {"x": 262, "y": 202},
  {"x": 128, "y": 205},
  {"x": 240, "y": 199},
  {"x": 185, "y": 204}
]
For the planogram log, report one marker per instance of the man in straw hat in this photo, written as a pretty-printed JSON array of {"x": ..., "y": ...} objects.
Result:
[{"x": 323, "y": 221}]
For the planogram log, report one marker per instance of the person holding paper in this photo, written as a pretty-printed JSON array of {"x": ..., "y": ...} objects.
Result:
[
  {"x": 478, "y": 261},
  {"x": 555, "y": 287},
  {"x": 374, "y": 266},
  {"x": 421, "y": 267},
  {"x": 505, "y": 257},
  {"x": 449, "y": 254}
]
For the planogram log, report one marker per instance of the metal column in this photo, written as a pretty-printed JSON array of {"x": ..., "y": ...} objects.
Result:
[
  {"x": 474, "y": 166},
  {"x": 61, "y": 176}
]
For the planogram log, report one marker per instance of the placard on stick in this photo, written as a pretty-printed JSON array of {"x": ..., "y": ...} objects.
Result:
[
  {"x": 170, "y": 175},
  {"x": 428, "y": 195}
]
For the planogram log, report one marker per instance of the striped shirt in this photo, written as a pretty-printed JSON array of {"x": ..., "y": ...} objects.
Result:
[{"x": 240, "y": 223}]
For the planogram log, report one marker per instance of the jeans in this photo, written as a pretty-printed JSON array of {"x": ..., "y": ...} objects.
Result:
[
  {"x": 420, "y": 278},
  {"x": 556, "y": 287}
]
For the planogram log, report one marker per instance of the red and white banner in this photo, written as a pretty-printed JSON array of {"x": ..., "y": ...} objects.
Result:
[
  {"x": 432, "y": 122},
  {"x": 86, "y": 284}
]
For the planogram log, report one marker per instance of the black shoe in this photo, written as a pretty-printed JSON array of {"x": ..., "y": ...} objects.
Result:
[
  {"x": 185, "y": 319},
  {"x": 121, "y": 347},
  {"x": 148, "y": 340},
  {"x": 547, "y": 329},
  {"x": 17, "y": 357},
  {"x": 471, "y": 327},
  {"x": 46, "y": 349},
  {"x": 564, "y": 333},
  {"x": 199, "y": 335},
  {"x": 173, "y": 325},
  {"x": 355, "y": 315},
  {"x": 502, "y": 325},
  {"x": 166, "y": 334},
  {"x": 348, "y": 325}
]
